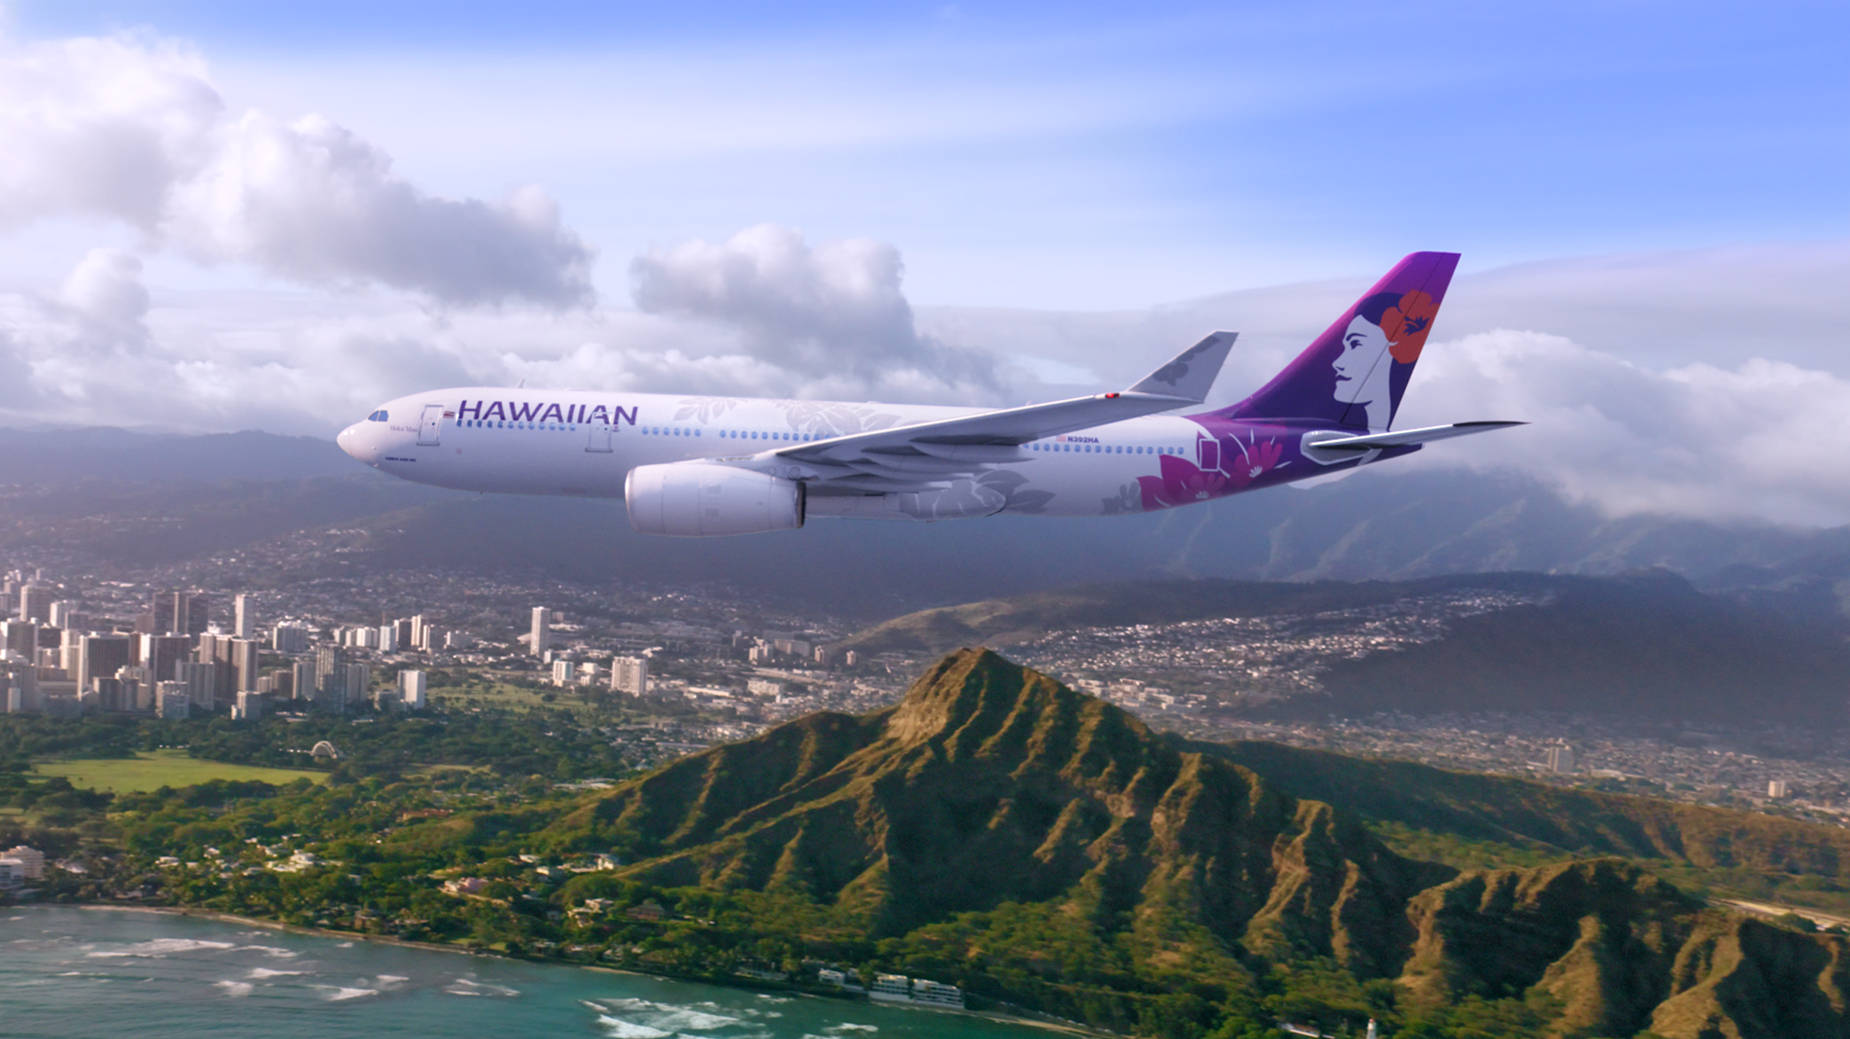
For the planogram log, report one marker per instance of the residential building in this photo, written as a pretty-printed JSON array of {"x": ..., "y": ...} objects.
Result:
[
  {"x": 241, "y": 620},
  {"x": 35, "y": 603},
  {"x": 162, "y": 654},
  {"x": 540, "y": 635},
  {"x": 101, "y": 656},
  {"x": 289, "y": 638},
  {"x": 411, "y": 687},
  {"x": 171, "y": 700},
  {"x": 630, "y": 675}
]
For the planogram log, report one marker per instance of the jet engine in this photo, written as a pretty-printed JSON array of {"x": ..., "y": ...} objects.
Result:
[{"x": 702, "y": 499}]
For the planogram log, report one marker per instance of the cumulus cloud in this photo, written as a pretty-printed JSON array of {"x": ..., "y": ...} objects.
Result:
[
  {"x": 832, "y": 314},
  {"x": 132, "y": 129},
  {"x": 1761, "y": 440}
]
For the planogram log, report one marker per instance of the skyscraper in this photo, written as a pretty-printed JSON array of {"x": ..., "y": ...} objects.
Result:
[
  {"x": 241, "y": 621},
  {"x": 162, "y": 654},
  {"x": 101, "y": 656},
  {"x": 357, "y": 682},
  {"x": 191, "y": 612},
  {"x": 302, "y": 682},
  {"x": 541, "y": 635},
  {"x": 35, "y": 603},
  {"x": 200, "y": 677},
  {"x": 244, "y": 663},
  {"x": 20, "y": 638},
  {"x": 159, "y": 618}
]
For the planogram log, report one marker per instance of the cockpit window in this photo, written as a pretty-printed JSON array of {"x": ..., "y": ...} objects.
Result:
[{"x": 377, "y": 416}]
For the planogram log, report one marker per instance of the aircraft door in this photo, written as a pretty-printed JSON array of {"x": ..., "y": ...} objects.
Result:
[
  {"x": 600, "y": 439},
  {"x": 430, "y": 426}
]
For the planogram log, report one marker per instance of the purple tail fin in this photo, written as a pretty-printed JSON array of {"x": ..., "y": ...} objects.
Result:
[{"x": 1353, "y": 374}]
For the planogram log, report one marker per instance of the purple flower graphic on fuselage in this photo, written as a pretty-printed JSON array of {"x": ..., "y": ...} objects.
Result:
[{"x": 1180, "y": 481}]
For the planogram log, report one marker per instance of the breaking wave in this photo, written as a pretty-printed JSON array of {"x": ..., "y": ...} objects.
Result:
[
  {"x": 618, "y": 1028},
  {"x": 159, "y": 947}
]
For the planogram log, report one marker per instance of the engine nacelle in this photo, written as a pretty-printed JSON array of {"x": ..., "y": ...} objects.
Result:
[{"x": 702, "y": 499}]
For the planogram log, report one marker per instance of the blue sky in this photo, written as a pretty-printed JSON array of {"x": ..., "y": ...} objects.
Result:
[
  {"x": 1073, "y": 157},
  {"x": 223, "y": 216}
]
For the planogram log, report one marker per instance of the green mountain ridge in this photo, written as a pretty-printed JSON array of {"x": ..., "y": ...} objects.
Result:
[{"x": 1033, "y": 844}]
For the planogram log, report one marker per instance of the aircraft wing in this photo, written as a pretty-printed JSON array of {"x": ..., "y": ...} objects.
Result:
[{"x": 928, "y": 455}]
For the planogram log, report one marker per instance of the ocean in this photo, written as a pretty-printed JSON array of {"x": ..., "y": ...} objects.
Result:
[{"x": 68, "y": 972}]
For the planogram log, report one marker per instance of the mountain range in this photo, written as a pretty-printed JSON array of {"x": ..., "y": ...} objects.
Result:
[
  {"x": 1639, "y": 646},
  {"x": 1035, "y": 845}
]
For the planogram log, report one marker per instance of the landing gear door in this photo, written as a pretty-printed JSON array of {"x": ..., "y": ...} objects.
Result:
[
  {"x": 600, "y": 439},
  {"x": 431, "y": 425}
]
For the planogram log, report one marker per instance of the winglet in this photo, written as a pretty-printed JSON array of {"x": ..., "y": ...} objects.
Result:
[{"x": 1191, "y": 374}]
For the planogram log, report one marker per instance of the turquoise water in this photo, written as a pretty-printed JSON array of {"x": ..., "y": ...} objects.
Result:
[{"x": 72, "y": 972}]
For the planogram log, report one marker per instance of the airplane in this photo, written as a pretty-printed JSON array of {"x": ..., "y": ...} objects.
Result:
[{"x": 710, "y": 466}]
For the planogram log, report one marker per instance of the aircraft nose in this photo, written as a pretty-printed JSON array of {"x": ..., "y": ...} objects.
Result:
[{"x": 355, "y": 442}]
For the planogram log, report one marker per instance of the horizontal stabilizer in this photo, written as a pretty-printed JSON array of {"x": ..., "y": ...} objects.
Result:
[
  {"x": 1191, "y": 375},
  {"x": 1404, "y": 437}
]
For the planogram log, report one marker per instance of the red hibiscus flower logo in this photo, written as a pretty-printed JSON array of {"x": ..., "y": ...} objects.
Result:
[{"x": 1407, "y": 323}]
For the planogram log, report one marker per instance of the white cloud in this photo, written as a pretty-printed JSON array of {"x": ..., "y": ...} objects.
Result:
[
  {"x": 833, "y": 314},
  {"x": 132, "y": 129},
  {"x": 1760, "y": 440}
]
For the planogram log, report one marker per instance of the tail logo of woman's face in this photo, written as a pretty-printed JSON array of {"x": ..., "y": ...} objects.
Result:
[{"x": 1395, "y": 324}]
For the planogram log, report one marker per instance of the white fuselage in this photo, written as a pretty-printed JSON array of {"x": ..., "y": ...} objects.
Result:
[{"x": 576, "y": 442}]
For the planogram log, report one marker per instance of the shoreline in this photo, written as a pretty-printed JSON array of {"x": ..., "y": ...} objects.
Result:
[{"x": 219, "y": 916}]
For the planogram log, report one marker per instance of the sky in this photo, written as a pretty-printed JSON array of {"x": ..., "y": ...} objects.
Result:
[{"x": 271, "y": 216}]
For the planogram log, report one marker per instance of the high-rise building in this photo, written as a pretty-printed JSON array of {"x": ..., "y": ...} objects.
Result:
[
  {"x": 20, "y": 638},
  {"x": 541, "y": 635},
  {"x": 101, "y": 656},
  {"x": 109, "y": 694},
  {"x": 411, "y": 687},
  {"x": 159, "y": 618},
  {"x": 241, "y": 620},
  {"x": 1561, "y": 758},
  {"x": 162, "y": 654},
  {"x": 630, "y": 675},
  {"x": 357, "y": 683},
  {"x": 417, "y": 630},
  {"x": 244, "y": 663},
  {"x": 328, "y": 662},
  {"x": 19, "y": 687},
  {"x": 137, "y": 691},
  {"x": 68, "y": 644},
  {"x": 562, "y": 672},
  {"x": 249, "y": 706},
  {"x": 35, "y": 603},
  {"x": 61, "y": 611},
  {"x": 289, "y": 638},
  {"x": 191, "y": 612},
  {"x": 401, "y": 632},
  {"x": 388, "y": 638},
  {"x": 302, "y": 681},
  {"x": 200, "y": 677},
  {"x": 171, "y": 700}
]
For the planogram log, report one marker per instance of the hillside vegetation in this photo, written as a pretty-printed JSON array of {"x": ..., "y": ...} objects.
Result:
[{"x": 1031, "y": 843}]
